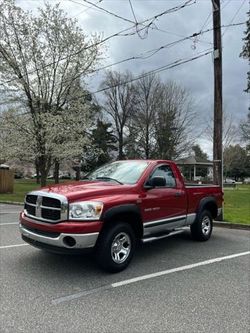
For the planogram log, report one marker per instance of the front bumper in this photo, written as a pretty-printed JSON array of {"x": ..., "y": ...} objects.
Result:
[
  {"x": 60, "y": 240},
  {"x": 66, "y": 235}
]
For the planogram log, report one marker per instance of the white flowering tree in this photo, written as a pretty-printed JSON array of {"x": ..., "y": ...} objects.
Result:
[
  {"x": 43, "y": 61},
  {"x": 65, "y": 135}
]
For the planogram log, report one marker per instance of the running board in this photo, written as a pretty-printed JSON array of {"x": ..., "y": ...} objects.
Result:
[{"x": 154, "y": 238}]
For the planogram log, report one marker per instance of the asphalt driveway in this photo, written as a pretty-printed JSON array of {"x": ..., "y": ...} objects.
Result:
[{"x": 172, "y": 285}]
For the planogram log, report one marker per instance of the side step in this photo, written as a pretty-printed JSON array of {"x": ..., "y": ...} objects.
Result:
[{"x": 154, "y": 238}]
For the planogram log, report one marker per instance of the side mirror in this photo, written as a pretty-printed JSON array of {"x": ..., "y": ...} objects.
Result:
[{"x": 156, "y": 182}]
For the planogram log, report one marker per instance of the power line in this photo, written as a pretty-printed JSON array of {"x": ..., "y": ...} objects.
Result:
[
  {"x": 146, "y": 54},
  {"x": 167, "y": 11},
  {"x": 151, "y": 25},
  {"x": 201, "y": 29},
  {"x": 236, "y": 13},
  {"x": 149, "y": 53},
  {"x": 123, "y": 32},
  {"x": 210, "y": 14},
  {"x": 207, "y": 20},
  {"x": 132, "y": 10},
  {"x": 154, "y": 71},
  {"x": 85, "y": 10},
  {"x": 178, "y": 35},
  {"x": 101, "y": 9},
  {"x": 158, "y": 70}
]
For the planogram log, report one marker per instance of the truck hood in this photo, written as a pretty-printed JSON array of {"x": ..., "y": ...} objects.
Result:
[{"x": 87, "y": 190}]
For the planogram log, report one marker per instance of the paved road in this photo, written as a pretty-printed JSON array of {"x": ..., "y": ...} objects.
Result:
[{"x": 41, "y": 292}]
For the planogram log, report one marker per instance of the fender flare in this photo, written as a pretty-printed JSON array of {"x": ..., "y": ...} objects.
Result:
[
  {"x": 204, "y": 202},
  {"x": 121, "y": 209}
]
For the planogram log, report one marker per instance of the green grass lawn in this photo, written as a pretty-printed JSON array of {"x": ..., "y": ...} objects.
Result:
[
  {"x": 21, "y": 187},
  {"x": 236, "y": 205}
]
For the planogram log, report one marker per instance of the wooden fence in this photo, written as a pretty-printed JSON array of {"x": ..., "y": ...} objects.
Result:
[{"x": 6, "y": 181}]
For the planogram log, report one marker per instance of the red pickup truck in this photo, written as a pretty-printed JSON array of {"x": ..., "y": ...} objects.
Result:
[{"x": 117, "y": 205}]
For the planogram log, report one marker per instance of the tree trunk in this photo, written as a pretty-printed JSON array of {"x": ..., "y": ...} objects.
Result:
[
  {"x": 37, "y": 172},
  {"x": 56, "y": 171},
  {"x": 78, "y": 172},
  {"x": 120, "y": 147},
  {"x": 147, "y": 143},
  {"x": 44, "y": 166},
  {"x": 43, "y": 179}
]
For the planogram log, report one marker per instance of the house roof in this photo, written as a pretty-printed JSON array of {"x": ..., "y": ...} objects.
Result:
[{"x": 193, "y": 160}]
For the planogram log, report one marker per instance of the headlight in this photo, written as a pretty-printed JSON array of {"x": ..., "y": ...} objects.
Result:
[{"x": 85, "y": 210}]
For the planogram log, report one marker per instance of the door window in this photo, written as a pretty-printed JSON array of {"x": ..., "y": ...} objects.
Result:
[{"x": 166, "y": 172}]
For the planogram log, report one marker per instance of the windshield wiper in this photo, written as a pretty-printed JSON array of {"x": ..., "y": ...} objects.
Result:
[{"x": 109, "y": 178}]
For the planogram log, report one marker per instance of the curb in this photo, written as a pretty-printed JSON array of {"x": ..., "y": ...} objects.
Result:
[
  {"x": 229, "y": 225},
  {"x": 11, "y": 203}
]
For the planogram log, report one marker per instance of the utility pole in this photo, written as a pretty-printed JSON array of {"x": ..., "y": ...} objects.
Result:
[{"x": 217, "y": 139}]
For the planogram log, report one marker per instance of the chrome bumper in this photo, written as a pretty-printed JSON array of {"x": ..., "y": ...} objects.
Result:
[{"x": 78, "y": 241}]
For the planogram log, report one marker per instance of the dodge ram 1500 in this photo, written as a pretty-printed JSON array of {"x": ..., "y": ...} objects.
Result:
[{"x": 117, "y": 205}]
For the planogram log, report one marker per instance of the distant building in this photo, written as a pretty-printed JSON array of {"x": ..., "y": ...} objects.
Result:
[{"x": 195, "y": 169}]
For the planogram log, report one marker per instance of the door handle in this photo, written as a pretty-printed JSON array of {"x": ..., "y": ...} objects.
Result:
[{"x": 178, "y": 194}]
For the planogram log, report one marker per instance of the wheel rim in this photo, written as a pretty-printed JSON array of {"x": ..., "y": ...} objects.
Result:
[
  {"x": 121, "y": 247},
  {"x": 206, "y": 225}
]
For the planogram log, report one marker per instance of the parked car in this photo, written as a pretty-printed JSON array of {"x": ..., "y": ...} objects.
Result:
[
  {"x": 229, "y": 181},
  {"x": 117, "y": 205},
  {"x": 247, "y": 180},
  {"x": 4, "y": 166},
  {"x": 18, "y": 175}
]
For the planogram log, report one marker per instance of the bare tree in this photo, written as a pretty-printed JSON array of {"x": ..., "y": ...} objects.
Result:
[
  {"x": 41, "y": 60},
  {"x": 230, "y": 130},
  {"x": 245, "y": 130},
  {"x": 120, "y": 104},
  {"x": 142, "y": 125},
  {"x": 173, "y": 121}
]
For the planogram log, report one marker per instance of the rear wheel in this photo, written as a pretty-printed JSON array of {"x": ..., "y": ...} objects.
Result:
[
  {"x": 115, "y": 247},
  {"x": 201, "y": 229}
]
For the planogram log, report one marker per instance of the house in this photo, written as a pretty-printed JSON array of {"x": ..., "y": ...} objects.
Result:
[{"x": 195, "y": 169}]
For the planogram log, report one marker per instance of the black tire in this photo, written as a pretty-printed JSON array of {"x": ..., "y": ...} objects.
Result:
[
  {"x": 113, "y": 242},
  {"x": 202, "y": 228}
]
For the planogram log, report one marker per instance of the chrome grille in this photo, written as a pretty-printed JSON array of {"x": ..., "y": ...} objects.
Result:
[{"x": 43, "y": 206}]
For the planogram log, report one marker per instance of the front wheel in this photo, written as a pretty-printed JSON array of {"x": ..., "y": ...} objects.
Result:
[
  {"x": 115, "y": 247},
  {"x": 201, "y": 229}
]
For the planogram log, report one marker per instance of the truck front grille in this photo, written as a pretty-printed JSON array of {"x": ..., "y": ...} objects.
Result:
[
  {"x": 31, "y": 210},
  {"x": 51, "y": 214},
  {"x": 45, "y": 206}
]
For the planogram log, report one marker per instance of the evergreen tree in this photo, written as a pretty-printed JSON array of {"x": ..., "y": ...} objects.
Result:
[
  {"x": 200, "y": 155},
  {"x": 236, "y": 162},
  {"x": 104, "y": 140},
  {"x": 246, "y": 50}
]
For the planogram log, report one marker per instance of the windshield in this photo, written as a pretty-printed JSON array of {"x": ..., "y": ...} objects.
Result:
[{"x": 123, "y": 172}]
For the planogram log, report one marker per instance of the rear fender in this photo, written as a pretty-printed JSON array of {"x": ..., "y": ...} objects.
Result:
[{"x": 210, "y": 204}]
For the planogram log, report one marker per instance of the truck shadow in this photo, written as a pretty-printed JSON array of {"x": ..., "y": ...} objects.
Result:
[
  {"x": 165, "y": 252},
  {"x": 86, "y": 258}
]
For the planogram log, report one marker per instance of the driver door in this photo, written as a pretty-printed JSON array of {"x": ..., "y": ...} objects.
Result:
[{"x": 163, "y": 207}]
